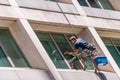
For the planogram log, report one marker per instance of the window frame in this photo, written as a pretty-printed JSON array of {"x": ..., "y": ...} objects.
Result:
[
  {"x": 57, "y": 47},
  {"x": 98, "y": 3},
  {"x": 59, "y": 50}
]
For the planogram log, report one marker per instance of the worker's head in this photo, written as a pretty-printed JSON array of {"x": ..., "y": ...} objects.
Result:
[{"x": 73, "y": 39}]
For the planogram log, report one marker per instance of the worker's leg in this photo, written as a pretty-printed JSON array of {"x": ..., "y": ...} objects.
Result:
[
  {"x": 84, "y": 64},
  {"x": 84, "y": 55},
  {"x": 95, "y": 67}
]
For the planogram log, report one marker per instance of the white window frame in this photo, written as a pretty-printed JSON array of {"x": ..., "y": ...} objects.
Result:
[{"x": 98, "y": 2}]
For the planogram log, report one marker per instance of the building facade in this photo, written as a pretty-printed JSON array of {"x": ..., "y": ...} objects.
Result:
[{"x": 34, "y": 34}]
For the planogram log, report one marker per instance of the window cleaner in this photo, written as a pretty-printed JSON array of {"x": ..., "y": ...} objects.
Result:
[{"x": 87, "y": 51}]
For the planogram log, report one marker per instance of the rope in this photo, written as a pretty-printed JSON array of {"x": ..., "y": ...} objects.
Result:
[
  {"x": 67, "y": 19},
  {"x": 69, "y": 24}
]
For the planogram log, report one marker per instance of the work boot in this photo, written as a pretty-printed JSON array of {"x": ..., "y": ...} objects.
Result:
[
  {"x": 96, "y": 71},
  {"x": 84, "y": 68}
]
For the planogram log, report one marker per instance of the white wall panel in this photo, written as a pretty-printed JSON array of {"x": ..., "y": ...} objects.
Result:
[
  {"x": 24, "y": 74},
  {"x": 47, "y": 5},
  {"x": 4, "y": 2},
  {"x": 88, "y": 75},
  {"x": 101, "y": 13}
]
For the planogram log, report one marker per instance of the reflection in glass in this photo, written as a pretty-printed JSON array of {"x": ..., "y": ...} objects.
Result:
[
  {"x": 105, "y": 4},
  {"x": 111, "y": 47},
  {"x": 12, "y": 49},
  {"x": 51, "y": 50},
  {"x": 3, "y": 59},
  {"x": 64, "y": 46},
  {"x": 82, "y": 2},
  {"x": 94, "y": 3}
]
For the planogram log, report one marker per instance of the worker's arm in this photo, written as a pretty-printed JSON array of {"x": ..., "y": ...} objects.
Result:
[{"x": 74, "y": 52}]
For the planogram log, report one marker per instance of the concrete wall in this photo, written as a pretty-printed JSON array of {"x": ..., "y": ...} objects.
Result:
[
  {"x": 4, "y": 2},
  {"x": 65, "y": 1},
  {"x": 27, "y": 46},
  {"x": 87, "y": 75},
  {"x": 37, "y": 4},
  {"x": 33, "y": 74},
  {"x": 24, "y": 74},
  {"x": 55, "y": 28},
  {"x": 47, "y": 5},
  {"x": 101, "y": 13},
  {"x": 115, "y": 4},
  {"x": 111, "y": 21},
  {"x": 104, "y": 33},
  {"x": 6, "y": 23},
  {"x": 38, "y": 12},
  {"x": 86, "y": 35}
]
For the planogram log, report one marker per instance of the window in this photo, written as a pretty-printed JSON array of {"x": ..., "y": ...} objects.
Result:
[
  {"x": 104, "y": 4},
  {"x": 82, "y": 2},
  {"x": 94, "y": 3},
  {"x": 65, "y": 46},
  {"x": 113, "y": 45},
  {"x": 10, "y": 51},
  {"x": 56, "y": 45},
  {"x": 52, "y": 50}
]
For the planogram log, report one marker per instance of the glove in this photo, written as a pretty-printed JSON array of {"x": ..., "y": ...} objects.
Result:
[
  {"x": 70, "y": 53},
  {"x": 66, "y": 52}
]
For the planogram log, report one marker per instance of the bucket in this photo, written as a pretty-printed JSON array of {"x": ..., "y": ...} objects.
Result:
[{"x": 100, "y": 60}]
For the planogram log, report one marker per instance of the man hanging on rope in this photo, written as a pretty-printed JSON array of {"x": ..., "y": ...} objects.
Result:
[{"x": 87, "y": 51}]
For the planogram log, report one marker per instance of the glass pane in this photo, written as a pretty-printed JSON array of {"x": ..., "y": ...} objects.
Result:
[
  {"x": 64, "y": 46},
  {"x": 117, "y": 44},
  {"x": 107, "y": 41},
  {"x": 94, "y": 3},
  {"x": 12, "y": 49},
  {"x": 82, "y": 2},
  {"x": 105, "y": 4},
  {"x": 112, "y": 51},
  {"x": 3, "y": 59},
  {"x": 118, "y": 47},
  {"x": 51, "y": 50},
  {"x": 114, "y": 54},
  {"x": 89, "y": 64},
  {"x": 117, "y": 56}
]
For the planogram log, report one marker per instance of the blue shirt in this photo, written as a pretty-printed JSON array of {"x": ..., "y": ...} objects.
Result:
[{"x": 80, "y": 43}]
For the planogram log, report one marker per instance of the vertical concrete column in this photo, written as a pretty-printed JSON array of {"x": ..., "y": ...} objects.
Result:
[
  {"x": 13, "y": 3},
  {"x": 103, "y": 48},
  {"x": 26, "y": 26},
  {"x": 82, "y": 13}
]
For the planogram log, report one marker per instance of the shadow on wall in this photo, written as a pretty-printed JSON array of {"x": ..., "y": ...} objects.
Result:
[{"x": 101, "y": 76}]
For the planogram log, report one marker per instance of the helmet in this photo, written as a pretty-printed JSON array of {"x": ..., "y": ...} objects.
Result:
[{"x": 72, "y": 37}]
